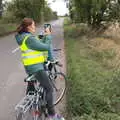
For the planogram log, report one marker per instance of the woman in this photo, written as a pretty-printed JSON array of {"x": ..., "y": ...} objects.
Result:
[{"x": 33, "y": 58}]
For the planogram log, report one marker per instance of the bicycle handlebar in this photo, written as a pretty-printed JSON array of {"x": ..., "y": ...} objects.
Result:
[{"x": 54, "y": 62}]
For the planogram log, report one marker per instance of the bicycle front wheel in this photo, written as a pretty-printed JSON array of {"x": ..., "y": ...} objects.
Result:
[{"x": 59, "y": 87}]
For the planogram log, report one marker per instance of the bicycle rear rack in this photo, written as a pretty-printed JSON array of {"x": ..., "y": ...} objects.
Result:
[{"x": 25, "y": 103}]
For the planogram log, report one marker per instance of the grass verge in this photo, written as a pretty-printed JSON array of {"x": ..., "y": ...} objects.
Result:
[{"x": 93, "y": 85}]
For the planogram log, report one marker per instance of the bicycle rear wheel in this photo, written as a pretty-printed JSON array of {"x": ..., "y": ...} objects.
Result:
[{"x": 59, "y": 87}]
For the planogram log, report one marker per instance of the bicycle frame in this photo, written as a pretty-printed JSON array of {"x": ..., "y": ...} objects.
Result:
[
  {"x": 32, "y": 100},
  {"x": 37, "y": 100},
  {"x": 25, "y": 104}
]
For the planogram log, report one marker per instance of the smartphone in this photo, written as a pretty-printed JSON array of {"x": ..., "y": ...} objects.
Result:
[{"x": 48, "y": 26}]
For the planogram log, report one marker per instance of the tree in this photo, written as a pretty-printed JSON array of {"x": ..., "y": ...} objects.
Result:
[
  {"x": 0, "y": 8},
  {"x": 35, "y": 9},
  {"x": 94, "y": 12}
]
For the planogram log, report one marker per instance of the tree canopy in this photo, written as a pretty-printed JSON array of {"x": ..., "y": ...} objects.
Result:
[
  {"x": 94, "y": 12},
  {"x": 36, "y": 9}
]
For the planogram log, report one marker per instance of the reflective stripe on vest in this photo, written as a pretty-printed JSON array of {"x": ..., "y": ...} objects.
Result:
[{"x": 29, "y": 56}]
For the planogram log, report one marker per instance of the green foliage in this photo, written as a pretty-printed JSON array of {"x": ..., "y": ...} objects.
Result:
[
  {"x": 8, "y": 17},
  {"x": 76, "y": 30},
  {"x": 36, "y": 9},
  {"x": 94, "y": 89},
  {"x": 1, "y": 8},
  {"x": 94, "y": 12},
  {"x": 18, "y": 9},
  {"x": 49, "y": 15},
  {"x": 67, "y": 21},
  {"x": 102, "y": 116},
  {"x": 114, "y": 11},
  {"x": 23, "y": 8},
  {"x": 6, "y": 28}
]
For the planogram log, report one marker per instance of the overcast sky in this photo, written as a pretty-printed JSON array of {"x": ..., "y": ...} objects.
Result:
[{"x": 59, "y": 6}]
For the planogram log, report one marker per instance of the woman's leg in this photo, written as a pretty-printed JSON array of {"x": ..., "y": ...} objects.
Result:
[{"x": 44, "y": 80}]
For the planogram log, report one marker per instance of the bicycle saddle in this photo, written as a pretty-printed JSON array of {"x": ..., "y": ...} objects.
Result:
[{"x": 30, "y": 78}]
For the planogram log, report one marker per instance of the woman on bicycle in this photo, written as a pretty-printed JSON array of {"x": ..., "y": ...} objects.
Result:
[{"x": 34, "y": 53}]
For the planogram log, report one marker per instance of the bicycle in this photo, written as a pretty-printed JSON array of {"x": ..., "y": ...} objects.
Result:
[{"x": 34, "y": 102}]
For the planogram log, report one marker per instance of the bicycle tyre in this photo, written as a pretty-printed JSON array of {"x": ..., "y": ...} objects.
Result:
[{"x": 60, "y": 83}]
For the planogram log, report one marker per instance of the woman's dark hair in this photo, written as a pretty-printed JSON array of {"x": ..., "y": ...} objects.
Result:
[{"x": 24, "y": 24}]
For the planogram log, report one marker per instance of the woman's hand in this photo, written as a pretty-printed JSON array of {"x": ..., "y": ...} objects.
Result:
[{"x": 47, "y": 31}]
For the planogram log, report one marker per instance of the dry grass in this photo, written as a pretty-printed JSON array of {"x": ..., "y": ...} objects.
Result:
[
  {"x": 113, "y": 32},
  {"x": 102, "y": 44},
  {"x": 109, "y": 40}
]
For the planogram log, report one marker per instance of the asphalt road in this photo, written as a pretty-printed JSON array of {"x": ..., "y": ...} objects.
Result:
[{"x": 12, "y": 87}]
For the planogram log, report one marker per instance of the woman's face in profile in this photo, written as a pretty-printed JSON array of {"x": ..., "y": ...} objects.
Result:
[{"x": 32, "y": 27}]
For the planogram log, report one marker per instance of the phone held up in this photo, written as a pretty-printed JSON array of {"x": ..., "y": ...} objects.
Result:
[
  {"x": 48, "y": 26},
  {"x": 41, "y": 35}
]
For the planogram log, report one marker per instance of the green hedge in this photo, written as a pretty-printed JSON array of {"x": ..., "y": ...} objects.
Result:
[{"x": 7, "y": 28}]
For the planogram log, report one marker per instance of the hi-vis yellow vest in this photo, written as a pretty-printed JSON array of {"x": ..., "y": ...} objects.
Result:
[{"x": 31, "y": 57}]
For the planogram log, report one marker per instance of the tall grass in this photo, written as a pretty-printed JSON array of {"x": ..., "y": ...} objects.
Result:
[{"x": 93, "y": 89}]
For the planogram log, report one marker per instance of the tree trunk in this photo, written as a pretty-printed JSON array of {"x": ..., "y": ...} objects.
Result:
[{"x": 0, "y": 8}]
